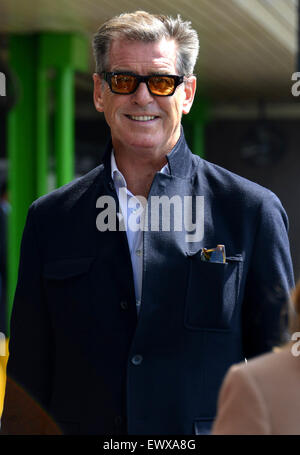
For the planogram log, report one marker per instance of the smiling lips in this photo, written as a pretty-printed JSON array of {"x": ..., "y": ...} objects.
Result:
[{"x": 142, "y": 118}]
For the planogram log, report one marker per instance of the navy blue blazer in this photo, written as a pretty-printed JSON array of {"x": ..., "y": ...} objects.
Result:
[{"x": 77, "y": 345}]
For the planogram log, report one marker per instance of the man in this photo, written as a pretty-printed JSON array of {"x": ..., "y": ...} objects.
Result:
[{"x": 132, "y": 331}]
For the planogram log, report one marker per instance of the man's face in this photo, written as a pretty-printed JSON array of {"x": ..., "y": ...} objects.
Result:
[{"x": 127, "y": 115}]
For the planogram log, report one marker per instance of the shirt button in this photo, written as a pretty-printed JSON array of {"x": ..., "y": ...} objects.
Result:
[
  {"x": 137, "y": 359},
  {"x": 124, "y": 305},
  {"x": 138, "y": 252}
]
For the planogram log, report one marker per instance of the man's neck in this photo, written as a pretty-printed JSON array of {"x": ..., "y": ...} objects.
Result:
[{"x": 139, "y": 171}]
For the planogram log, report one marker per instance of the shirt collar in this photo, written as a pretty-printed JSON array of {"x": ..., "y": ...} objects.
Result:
[
  {"x": 119, "y": 178},
  {"x": 116, "y": 175}
]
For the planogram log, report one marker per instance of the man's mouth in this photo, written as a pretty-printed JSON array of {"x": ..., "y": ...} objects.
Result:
[{"x": 142, "y": 118}]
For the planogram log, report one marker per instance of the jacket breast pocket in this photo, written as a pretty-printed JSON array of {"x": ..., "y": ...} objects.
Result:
[
  {"x": 212, "y": 293},
  {"x": 66, "y": 281}
]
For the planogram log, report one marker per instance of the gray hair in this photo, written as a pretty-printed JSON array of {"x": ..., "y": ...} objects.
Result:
[{"x": 146, "y": 27}]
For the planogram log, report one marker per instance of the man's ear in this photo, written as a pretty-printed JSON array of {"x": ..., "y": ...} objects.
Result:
[
  {"x": 98, "y": 92},
  {"x": 189, "y": 90}
]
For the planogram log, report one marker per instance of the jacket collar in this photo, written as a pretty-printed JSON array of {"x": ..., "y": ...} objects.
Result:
[{"x": 180, "y": 159}]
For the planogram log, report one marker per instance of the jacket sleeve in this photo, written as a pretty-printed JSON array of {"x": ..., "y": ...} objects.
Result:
[
  {"x": 30, "y": 345},
  {"x": 241, "y": 407},
  {"x": 269, "y": 281}
]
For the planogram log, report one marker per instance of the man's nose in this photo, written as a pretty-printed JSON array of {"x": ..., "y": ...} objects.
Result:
[{"x": 142, "y": 96}]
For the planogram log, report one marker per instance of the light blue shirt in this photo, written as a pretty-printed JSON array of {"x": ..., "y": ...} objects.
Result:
[{"x": 134, "y": 236}]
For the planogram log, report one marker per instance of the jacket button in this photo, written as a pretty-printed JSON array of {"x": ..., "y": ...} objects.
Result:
[
  {"x": 124, "y": 305},
  {"x": 111, "y": 185},
  {"x": 118, "y": 420},
  {"x": 137, "y": 359}
]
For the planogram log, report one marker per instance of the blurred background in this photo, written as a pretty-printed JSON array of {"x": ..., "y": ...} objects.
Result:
[{"x": 245, "y": 116}]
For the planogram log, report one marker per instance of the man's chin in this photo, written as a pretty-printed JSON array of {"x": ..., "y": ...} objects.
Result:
[{"x": 141, "y": 141}]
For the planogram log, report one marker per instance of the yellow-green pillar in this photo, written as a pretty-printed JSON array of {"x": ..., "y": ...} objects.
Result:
[
  {"x": 196, "y": 122},
  {"x": 31, "y": 58},
  {"x": 21, "y": 151}
]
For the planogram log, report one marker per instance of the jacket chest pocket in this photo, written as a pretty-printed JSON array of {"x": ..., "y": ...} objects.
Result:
[
  {"x": 212, "y": 293},
  {"x": 66, "y": 282}
]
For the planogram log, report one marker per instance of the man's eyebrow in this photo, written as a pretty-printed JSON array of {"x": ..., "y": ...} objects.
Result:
[
  {"x": 121, "y": 71},
  {"x": 151, "y": 73},
  {"x": 159, "y": 73}
]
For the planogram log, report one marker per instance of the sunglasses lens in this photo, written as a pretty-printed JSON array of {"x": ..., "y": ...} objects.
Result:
[
  {"x": 158, "y": 85},
  {"x": 122, "y": 83},
  {"x": 162, "y": 85}
]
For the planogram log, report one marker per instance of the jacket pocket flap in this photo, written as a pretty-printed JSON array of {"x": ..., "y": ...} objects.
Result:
[
  {"x": 66, "y": 268},
  {"x": 235, "y": 258}
]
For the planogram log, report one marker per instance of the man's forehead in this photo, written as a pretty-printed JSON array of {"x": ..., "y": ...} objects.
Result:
[{"x": 124, "y": 53}]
